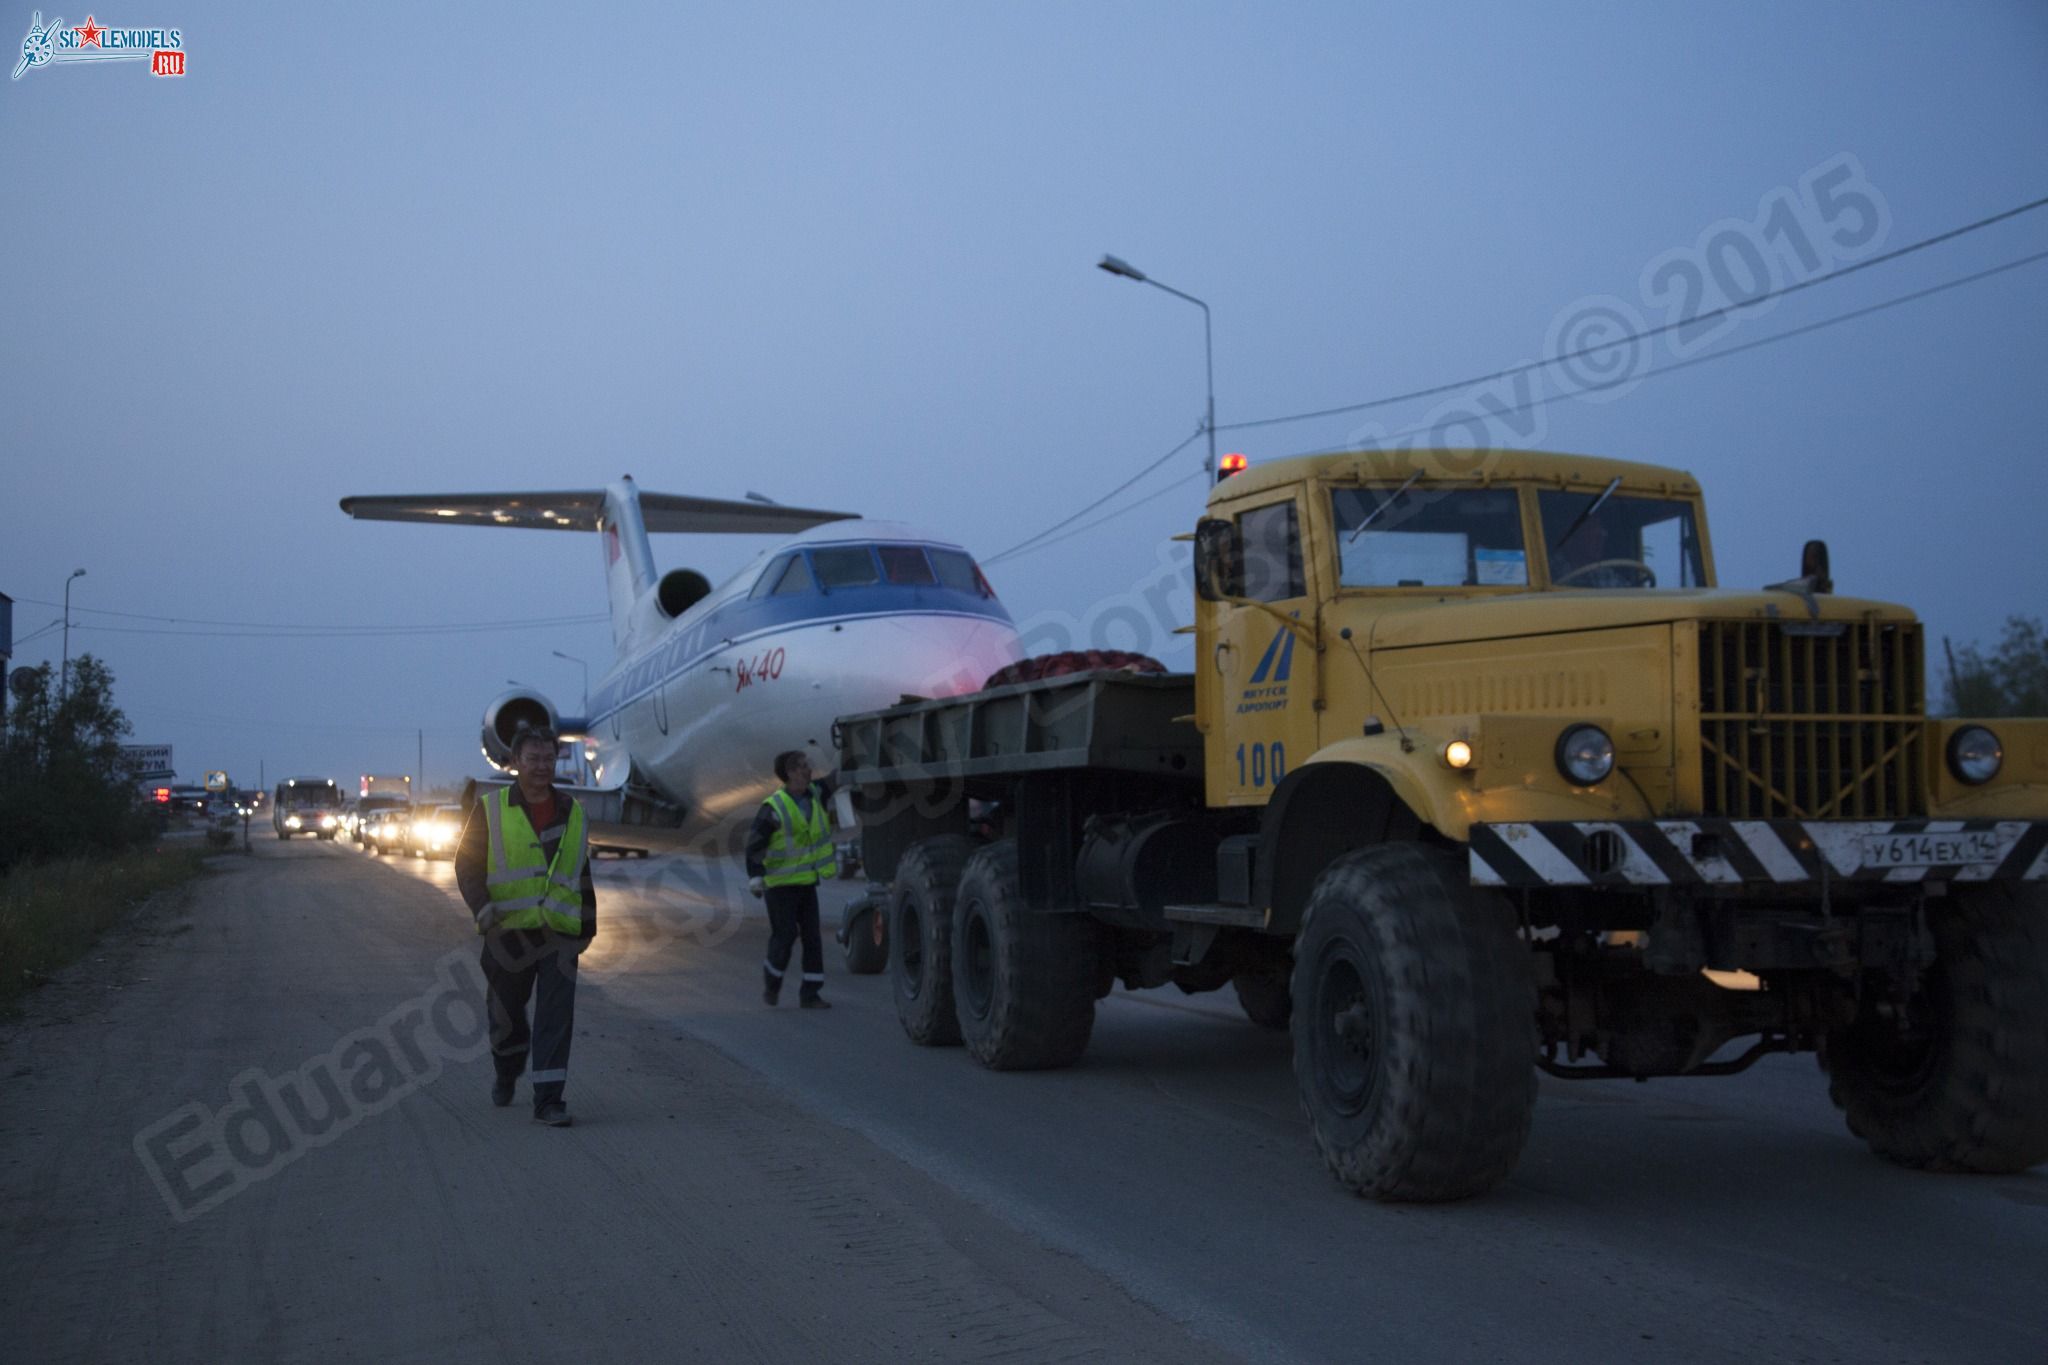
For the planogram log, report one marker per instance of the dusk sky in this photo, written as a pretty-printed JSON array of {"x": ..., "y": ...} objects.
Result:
[{"x": 843, "y": 255}]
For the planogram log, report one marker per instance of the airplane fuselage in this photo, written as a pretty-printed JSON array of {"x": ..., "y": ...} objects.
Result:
[{"x": 699, "y": 715}]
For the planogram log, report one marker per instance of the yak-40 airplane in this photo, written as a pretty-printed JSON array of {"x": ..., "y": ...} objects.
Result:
[{"x": 709, "y": 684}]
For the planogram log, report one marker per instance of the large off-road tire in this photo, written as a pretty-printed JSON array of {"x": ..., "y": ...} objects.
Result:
[
  {"x": 867, "y": 940},
  {"x": 1414, "y": 1026},
  {"x": 920, "y": 936},
  {"x": 1959, "y": 1081},
  {"x": 1265, "y": 996},
  {"x": 1023, "y": 980}
]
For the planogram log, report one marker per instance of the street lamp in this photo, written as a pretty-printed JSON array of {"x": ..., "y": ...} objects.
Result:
[
  {"x": 586, "y": 677},
  {"x": 1115, "y": 266},
  {"x": 64, "y": 672}
]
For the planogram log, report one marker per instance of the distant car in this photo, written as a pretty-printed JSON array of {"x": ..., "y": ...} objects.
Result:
[
  {"x": 188, "y": 800},
  {"x": 433, "y": 831},
  {"x": 385, "y": 831}
]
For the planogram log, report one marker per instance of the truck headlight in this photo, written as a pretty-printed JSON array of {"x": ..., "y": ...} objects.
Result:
[
  {"x": 1975, "y": 755},
  {"x": 327, "y": 822},
  {"x": 1585, "y": 755},
  {"x": 292, "y": 822}
]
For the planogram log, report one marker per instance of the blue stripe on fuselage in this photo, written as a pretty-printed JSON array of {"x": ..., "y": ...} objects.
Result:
[{"x": 749, "y": 618}]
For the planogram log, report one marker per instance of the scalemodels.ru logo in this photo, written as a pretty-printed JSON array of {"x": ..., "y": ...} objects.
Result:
[{"x": 56, "y": 44}]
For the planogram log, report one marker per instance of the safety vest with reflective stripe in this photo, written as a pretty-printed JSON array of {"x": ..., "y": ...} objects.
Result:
[
  {"x": 801, "y": 853},
  {"x": 527, "y": 891}
]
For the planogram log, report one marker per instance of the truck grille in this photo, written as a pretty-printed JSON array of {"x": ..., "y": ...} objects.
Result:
[{"x": 1818, "y": 720}]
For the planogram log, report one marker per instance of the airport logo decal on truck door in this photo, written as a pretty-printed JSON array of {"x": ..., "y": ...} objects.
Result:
[{"x": 1267, "y": 690}]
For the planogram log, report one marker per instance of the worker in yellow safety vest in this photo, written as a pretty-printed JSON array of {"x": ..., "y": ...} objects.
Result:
[
  {"x": 789, "y": 851},
  {"x": 523, "y": 868}
]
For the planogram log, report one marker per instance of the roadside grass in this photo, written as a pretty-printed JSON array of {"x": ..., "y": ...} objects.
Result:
[{"x": 52, "y": 912}]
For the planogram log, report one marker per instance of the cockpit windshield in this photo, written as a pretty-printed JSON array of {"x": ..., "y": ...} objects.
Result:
[
  {"x": 836, "y": 568},
  {"x": 1620, "y": 541},
  {"x": 1417, "y": 536}
]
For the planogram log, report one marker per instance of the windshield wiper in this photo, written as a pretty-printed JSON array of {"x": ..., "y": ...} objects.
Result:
[
  {"x": 1586, "y": 515},
  {"x": 1392, "y": 498}
]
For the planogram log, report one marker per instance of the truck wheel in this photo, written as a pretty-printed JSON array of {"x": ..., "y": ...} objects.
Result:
[
  {"x": 1958, "y": 1080},
  {"x": 867, "y": 943},
  {"x": 1415, "y": 1026},
  {"x": 1264, "y": 994},
  {"x": 1024, "y": 980},
  {"x": 920, "y": 935},
  {"x": 283, "y": 838}
]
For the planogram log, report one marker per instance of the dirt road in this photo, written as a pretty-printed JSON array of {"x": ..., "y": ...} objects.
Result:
[
  {"x": 692, "y": 1214},
  {"x": 757, "y": 1185}
]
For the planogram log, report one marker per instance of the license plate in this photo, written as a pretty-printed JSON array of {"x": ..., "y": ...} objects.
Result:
[{"x": 1975, "y": 848}]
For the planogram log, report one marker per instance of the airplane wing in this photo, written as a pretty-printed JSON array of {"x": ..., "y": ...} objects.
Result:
[{"x": 579, "y": 510}]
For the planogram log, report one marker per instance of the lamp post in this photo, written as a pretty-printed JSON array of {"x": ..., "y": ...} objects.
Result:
[
  {"x": 586, "y": 678},
  {"x": 1130, "y": 272},
  {"x": 64, "y": 671}
]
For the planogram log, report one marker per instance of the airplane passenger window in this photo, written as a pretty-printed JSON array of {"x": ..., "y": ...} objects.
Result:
[
  {"x": 905, "y": 564},
  {"x": 845, "y": 566},
  {"x": 957, "y": 572},
  {"x": 795, "y": 579}
]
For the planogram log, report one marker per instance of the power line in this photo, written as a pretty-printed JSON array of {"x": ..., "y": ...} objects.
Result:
[
  {"x": 1063, "y": 521},
  {"x": 1038, "y": 543},
  {"x": 1771, "y": 340},
  {"x": 39, "y": 631},
  {"x": 1623, "y": 340},
  {"x": 1091, "y": 525}
]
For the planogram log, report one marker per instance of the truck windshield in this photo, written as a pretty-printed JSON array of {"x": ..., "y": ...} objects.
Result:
[
  {"x": 1417, "y": 536},
  {"x": 1626, "y": 542}
]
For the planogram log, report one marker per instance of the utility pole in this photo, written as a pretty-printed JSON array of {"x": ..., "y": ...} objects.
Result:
[
  {"x": 421, "y": 764},
  {"x": 64, "y": 672}
]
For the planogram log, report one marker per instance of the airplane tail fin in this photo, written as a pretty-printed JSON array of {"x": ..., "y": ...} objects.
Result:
[
  {"x": 628, "y": 558},
  {"x": 621, "y": 512}
]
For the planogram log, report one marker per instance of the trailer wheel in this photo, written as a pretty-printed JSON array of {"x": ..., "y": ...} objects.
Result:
[
  {"x": 867, "y": 941},
  {"x": 1263, "y": 993},
  {"x": 1415, "y": 1026},
  {"x": 1957, "y": 1079},
  {"x": 920, "y": 935},
  {"x": 1023, "y": 980}
]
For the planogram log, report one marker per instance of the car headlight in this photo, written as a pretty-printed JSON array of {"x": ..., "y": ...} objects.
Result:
[
  {"x": 327, "y": 822},
  {"x": 1585, "y": 755},
  {"x": 292, "y": 822},
  {"x": 1975, "y": 755}
]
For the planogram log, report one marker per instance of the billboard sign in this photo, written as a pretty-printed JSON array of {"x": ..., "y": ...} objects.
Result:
[{"x": 148, "y": 760}]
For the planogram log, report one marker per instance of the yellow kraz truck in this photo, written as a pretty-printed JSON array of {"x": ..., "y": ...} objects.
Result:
[{"x": 1479, "y": 773}]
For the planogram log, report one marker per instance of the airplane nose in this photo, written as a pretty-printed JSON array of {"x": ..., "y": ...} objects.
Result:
[{"x": 951, "y": 656}]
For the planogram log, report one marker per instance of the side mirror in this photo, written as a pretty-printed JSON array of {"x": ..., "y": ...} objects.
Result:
[
  {"x": 1218, "y": 560},
  {"x": 1813, "y": 566}
]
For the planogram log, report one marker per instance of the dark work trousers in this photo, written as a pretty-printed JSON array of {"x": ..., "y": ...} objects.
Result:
[
  {"x": 542, "y": 964},
  {"x": 793, "y": 910}
]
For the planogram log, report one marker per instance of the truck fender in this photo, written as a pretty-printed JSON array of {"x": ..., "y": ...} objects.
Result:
[{"x": 1338, "y": 801}]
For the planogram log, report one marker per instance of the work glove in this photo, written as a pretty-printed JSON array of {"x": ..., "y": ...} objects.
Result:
[{"x": 758, "y": 886}]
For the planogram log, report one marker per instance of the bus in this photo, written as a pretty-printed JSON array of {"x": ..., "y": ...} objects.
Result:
[{"x": 306, "y": 805}]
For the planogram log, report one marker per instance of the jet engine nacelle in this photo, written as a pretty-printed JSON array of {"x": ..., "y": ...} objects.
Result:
[{"x": 504, "y": 717}]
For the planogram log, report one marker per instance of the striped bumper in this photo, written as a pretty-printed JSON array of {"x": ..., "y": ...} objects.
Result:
[{"x": 1756, "y": 852}]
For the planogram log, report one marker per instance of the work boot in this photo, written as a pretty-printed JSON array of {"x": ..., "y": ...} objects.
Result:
[
  {"x": 815, "y": 1002},
  {"x": 553, "y": 1113},
  {"x": 501, "y": 1092},
  {"x": 771, "y": 988}
]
